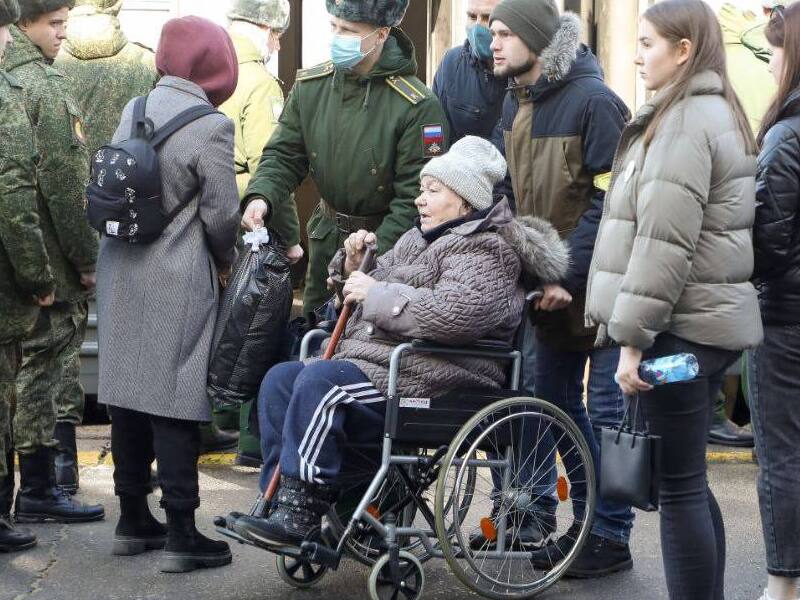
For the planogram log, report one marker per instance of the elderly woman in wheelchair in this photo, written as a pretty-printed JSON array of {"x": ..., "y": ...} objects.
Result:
[{"x": 457, "y": 277}]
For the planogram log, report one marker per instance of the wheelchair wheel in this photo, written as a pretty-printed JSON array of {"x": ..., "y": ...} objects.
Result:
[
  {"x": 530, "y": 510},
  {"x": 405, "y": 579},
  {"x": 365, "y": 545},
  {"x": 299, "y": 573}
]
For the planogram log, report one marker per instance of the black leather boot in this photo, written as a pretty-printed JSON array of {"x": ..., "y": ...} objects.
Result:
[
  {"x": 213, "y": 439},
  {"x": 66, "y": 461},
  {"x": 11, "y": 539},
  {"x": 297, "y": 515},
  {"x": 187, "y": 549},
  {"x": 39, "y": 500},
  {"x": 137, "y": 530}
]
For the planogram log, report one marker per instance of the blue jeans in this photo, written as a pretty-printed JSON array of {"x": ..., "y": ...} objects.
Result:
[
  {"x": 775, "y": 407},
  {"x": 559, "y": 380},
  {"x": 307, "y": 412}
]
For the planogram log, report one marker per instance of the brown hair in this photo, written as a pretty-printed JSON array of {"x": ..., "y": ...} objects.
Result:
[
  {"x": 694, "y": 20},
  {"x": 783, "y": 31}
]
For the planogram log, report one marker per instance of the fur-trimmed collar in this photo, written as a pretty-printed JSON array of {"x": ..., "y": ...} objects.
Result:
[{"x": 557, "y": 59}]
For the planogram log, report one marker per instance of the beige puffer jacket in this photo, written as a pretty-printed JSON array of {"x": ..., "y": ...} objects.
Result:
[
  {"x": 674, "y": 252},
  {"x": 465, "y": 286}
]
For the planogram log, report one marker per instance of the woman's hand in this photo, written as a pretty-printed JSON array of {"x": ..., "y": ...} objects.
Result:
[
  {"x": 357, "y": 287},
  {"x": 628, "y": 372},
  {"x": 355, "y": 246}
]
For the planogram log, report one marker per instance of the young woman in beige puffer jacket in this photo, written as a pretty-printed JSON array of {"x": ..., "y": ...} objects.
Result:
[{"x": 672, "y": 264}]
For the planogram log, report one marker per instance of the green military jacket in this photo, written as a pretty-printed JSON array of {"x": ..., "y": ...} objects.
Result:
[
  {"x": 24, "y": 266},
  {"x": 105, "y": 71},
  {"x": 364, "y": 141},
  {"x": 254, "y": 108},
  {"x": 63, "y": 166}
]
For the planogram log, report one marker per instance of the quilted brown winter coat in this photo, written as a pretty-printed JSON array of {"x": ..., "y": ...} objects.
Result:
[{"x": 466, "y": 285}]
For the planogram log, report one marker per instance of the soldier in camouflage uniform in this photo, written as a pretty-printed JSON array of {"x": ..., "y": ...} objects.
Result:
[
  {"x": 362, "y": 126},
  {"x": 50, "y": 362},
  {"x": 106, "y": 70},
  {"x": 26, "y": 281}
]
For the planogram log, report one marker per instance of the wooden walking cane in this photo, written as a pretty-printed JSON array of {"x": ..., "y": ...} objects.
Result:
[{"x": 341, "y": 323}]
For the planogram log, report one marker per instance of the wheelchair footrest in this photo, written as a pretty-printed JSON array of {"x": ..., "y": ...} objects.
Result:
[{"x": 322, "y": 555}]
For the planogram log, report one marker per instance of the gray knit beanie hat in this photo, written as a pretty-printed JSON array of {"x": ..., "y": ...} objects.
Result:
[
  {"x": 9, "y": 12},
  {"x": 534, "y": 21},
  {"x": 471, "y": 169}
]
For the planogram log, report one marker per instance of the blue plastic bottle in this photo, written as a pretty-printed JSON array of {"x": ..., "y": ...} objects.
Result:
[{"x": 669, "y": 369}]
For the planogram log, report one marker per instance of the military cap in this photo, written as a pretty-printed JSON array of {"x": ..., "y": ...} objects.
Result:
[
  {"x": 30, "y": 9},
  {"x": 9, "y": 12},
  {"x": 383, "y": 13},
  {"x": 269, "y": 13}
]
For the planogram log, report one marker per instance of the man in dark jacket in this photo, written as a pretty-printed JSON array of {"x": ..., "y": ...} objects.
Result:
[
  {"x": 559, "y": 164},
  {"x": 472, "y": 97}
]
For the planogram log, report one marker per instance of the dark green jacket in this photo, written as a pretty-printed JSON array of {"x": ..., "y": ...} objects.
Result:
[
  {"x": 24, "y": 268},
  {"x": 63, "y": 166},
  {"x": 106, "y": 71},
  {"x": 361, "y": 140}
]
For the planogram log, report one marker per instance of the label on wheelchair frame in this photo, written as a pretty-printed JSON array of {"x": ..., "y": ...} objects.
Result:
[{"x": 415, "y": 402}]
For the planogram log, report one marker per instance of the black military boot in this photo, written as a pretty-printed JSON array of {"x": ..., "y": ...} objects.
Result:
[
  {"x": 66, "y": 461},
  {"x": 600, "y": 557},
  {"x": 296, "y": 517},
  {"x": 39, "y": 500},
  {"x": 187, "y": 549},
  {"x": 11, "y": 539},
  {"x": 213, "y": 439},
  {"x": 137, "y": 530}
]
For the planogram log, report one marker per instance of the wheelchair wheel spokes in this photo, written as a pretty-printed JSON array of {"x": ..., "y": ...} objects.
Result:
[{"x": 532, "y": 483}]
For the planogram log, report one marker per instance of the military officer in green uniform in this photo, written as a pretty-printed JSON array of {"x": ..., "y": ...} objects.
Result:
[
  {"x": 106, "y": 70},
  {"x": 50, "y": 362},
  {"x": 256, "y": 28},
  {"x": 26, "y": 281},
  {"x": 362, "y": 126}
]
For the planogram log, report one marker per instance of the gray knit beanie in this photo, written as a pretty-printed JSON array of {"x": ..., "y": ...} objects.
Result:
[
  {"x": 471, "y": 169},
  {"x": 534, "y": 21},
  {"x": 9, "y": 12}
]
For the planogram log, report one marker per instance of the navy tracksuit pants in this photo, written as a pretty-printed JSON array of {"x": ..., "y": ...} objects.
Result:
[{"x": 307, "y": 412}]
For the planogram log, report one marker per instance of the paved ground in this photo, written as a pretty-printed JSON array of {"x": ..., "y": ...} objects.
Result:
[{"x": 74, "y": 562}]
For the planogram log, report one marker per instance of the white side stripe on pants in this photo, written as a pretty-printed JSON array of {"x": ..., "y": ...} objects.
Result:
[{"x": 322, "y": 421}]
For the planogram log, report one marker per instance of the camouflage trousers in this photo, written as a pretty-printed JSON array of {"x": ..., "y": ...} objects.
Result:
[
  {"x": 10, "y": 360},
  {"x": 48, "y": 384}
]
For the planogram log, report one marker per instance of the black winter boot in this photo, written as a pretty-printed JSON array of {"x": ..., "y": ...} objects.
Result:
[
  {"x": 213, "y": 439},
  {"x": 137, "y": 530},
  {"x": 66, "y": 460},
  {"x": 11, "y": 539},
  {"x": 297, "y": 515},
  {"x": 39, "y": 500},
  {"x": 187, "y": 549}
]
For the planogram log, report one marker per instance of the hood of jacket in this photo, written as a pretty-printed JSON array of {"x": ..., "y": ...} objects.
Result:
[
  {"x": 542, "y": 253},
  {"x": 22, "y": 51},
  {"x": 94, "y": 35}
]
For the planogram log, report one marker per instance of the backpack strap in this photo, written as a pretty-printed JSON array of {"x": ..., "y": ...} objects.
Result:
[
  {"x": 180, "y": 121},
  {"x": 139, "y": 121}
]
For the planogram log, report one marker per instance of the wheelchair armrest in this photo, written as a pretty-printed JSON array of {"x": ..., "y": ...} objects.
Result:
[{"x": 479, "y": 346}]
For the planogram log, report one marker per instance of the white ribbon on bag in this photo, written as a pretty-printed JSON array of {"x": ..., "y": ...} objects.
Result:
[{"x": 256, "y": 238}]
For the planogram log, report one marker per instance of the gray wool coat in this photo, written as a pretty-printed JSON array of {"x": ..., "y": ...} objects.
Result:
[
  {"x": 157, "y": 303},
  {"x": 465, "y": 286}
]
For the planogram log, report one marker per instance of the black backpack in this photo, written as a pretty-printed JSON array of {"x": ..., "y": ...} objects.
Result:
[{"x": 123, "y": 196}]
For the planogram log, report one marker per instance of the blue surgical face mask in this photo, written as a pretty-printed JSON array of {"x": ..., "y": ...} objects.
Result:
[
  {"x": 480, "y": 40},
  {"x": 346, "y": 50}
]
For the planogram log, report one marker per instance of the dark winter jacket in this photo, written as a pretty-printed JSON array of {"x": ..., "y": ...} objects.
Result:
[
  {"x": 470, "y": 94},
  {"x": 776, "y": 234},
  {"x": 559, "y": 137}
]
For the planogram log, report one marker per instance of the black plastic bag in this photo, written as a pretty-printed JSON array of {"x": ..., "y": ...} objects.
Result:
[{"x": 251, "y": 323}]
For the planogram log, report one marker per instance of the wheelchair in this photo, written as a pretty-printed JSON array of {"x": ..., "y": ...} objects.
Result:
[{"x": 457, "y": 477}]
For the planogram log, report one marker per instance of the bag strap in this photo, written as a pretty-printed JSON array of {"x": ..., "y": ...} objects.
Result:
[
  {"x": 180, "y": 121},
  {"x": 139, "y": 122}
]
